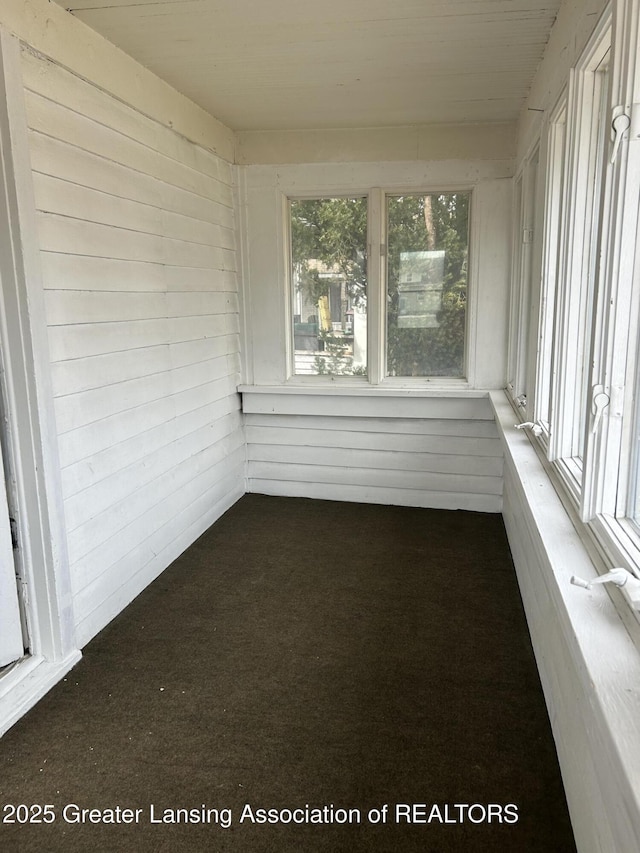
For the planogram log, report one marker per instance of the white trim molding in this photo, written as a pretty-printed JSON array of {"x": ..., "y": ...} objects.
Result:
[
  {"x": 27, "y": 683},
  {"x": 263, "y": 194},
  {"x": 30, "y": 416}
]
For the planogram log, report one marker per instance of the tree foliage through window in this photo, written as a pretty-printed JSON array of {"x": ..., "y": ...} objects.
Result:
[
  {"x": 427, "y": 239},
  {"x": 431, "y": 230}
]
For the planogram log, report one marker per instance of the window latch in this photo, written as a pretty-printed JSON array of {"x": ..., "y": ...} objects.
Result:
[
  {"x": 599, "y": 403},
  {"x": 620, "y": 124}
]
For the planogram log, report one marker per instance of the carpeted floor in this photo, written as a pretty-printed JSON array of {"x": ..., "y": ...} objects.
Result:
[{"x": 371, "y": 663}]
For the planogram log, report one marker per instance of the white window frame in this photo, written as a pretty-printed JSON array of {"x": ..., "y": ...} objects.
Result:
[
  {"x": 515, "y": 381},
  {"x": 580, "y": 227},
  {"x": 612, "y": 451},
  {"x": 525, "y": 278},
  {"x": 292, "y": 376},
  {"x": 551, "y": 252},
  {"x": 376, "y": 288},
  {"x": 601, "y": 505}
]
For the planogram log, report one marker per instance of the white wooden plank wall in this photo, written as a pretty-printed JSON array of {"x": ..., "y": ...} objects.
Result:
[
  {"x": 579, "y": 678},
  {"x": 444, "y": 462},
  {"x": 136, "y": 228},
  {"x": 587, "y": 660}
]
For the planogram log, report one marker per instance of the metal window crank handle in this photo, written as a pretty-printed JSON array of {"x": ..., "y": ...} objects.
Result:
[
  {"x": 536, "y": 429},
  {"x": 625, "y": 580},
  {"x": 617, "y": 576}
]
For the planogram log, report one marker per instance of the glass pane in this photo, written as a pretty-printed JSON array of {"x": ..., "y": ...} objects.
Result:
[
  {"x": 599, "y": 130},
  {"x": 551, "y": 270},
  {"x": 329, "y": 275},
  {"x": 427, "y": 283},
  {"x": 634, "y": 508}
]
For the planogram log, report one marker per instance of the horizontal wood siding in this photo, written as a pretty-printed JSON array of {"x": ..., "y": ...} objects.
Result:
[
  {"x": 588, "y": 663},
  {"x": 444, "y": 462},
  {"x": 136, "y": 230}
]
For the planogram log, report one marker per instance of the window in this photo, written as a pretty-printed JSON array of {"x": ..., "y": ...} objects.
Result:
[
  {"x": 578, "y": 210},
  {"x": 617, "y": 448},
  {"x": 634, "y": 502},
  {"x": 564, "y": 282},
  {"x": 586, "y": 348},
  {"x": 525, "y": 277},
  {"x": 329, "y": 277},
  {"x": 427, "y": 283},
  {"x": 551, "y": 252},
  {"x": 419, "y": 294}
]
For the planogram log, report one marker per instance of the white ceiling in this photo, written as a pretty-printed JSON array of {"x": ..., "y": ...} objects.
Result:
[{"x": 296, "y": 64}]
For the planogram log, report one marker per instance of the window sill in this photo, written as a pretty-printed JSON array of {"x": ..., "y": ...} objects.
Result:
[
  {"x": 569, "y": 472},
  {"x": 608, "y": 542},
  {"x": 366, "y": 401},
  {"x": 352, "y": 388}
]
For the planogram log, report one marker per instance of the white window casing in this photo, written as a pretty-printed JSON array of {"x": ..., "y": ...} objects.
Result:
[{"x": 266, "y": 192}]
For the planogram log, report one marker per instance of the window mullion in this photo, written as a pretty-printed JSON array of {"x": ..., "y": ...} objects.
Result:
[
  {"x": 534, "y": 272},
  {"x": 515, "y": 312},
  {"x": 376, "y": 263}
]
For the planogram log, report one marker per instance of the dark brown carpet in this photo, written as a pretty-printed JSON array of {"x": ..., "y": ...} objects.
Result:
[{"x": 304, "y": 652}]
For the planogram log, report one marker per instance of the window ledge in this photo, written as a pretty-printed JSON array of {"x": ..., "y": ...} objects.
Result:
[
  {"x": 589, "y": 663},
  {"x": 610, "y": 542},
  {"x": 366, "y": 401},
  {"x": 340, "y": 389}
]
